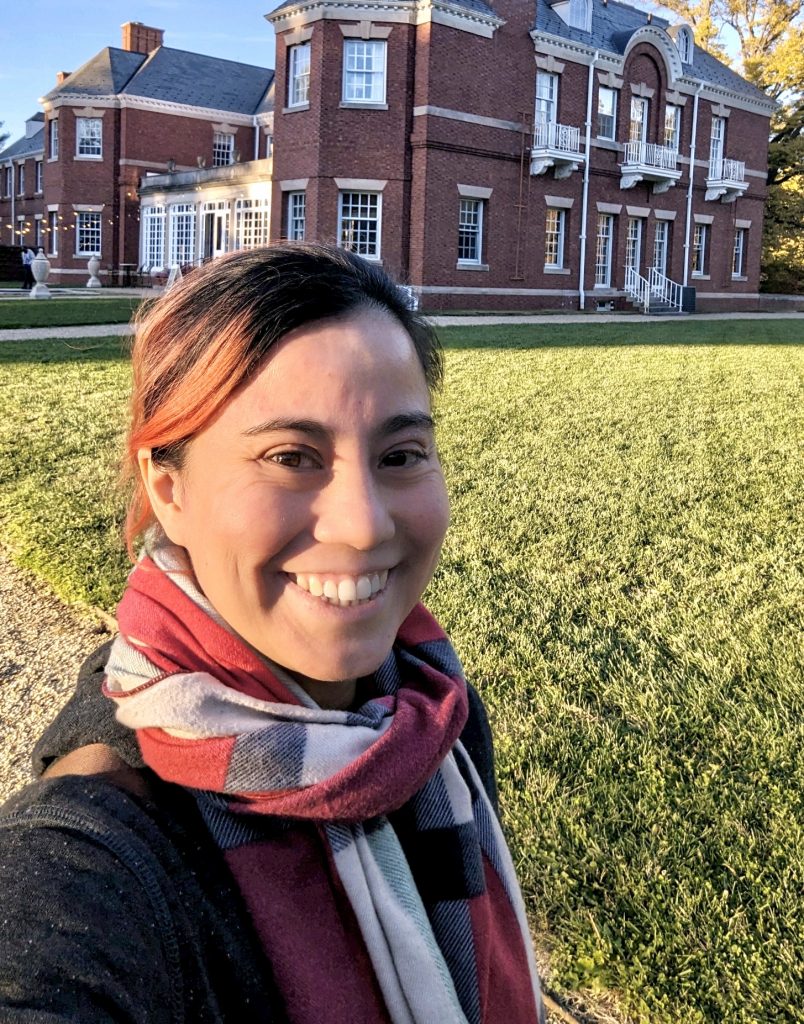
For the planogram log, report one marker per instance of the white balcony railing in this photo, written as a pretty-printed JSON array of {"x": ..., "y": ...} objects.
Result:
[
  {"x": 650, "y": 154},
  {"x": 722, "y": 169},
  {"x": 559, "y": 138}
]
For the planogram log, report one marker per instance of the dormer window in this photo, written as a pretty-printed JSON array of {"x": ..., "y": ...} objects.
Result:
[
  {"x": 684, "y": 44},
  {"x": 580, "y": 12},
  {"x": 575, "y": 13}
]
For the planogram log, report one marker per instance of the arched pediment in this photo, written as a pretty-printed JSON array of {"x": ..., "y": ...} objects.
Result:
[{"x": 661, "y": 41}]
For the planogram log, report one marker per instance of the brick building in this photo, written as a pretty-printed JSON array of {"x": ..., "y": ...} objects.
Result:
[
  {"x": 128, "y": 113},
  {"x": 520, "y": 155},
  {"x": 21, "y": 187}
]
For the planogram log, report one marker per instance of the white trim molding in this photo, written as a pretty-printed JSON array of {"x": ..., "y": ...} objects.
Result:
[
  {"x": 88, "y": 207},
  {"x": 703, "y": 218},
  {"x": 745, "y": 224},
  {"x": 638, "y": 211},
  {"x": 298, "y": 35},
  {"x": 460, "y": 115},
  {"x": 613, "y": 208},
  {"x": 293, "y": 184},
  {"x": 549, "y": 63},
  {"x": 643, "y": 90},
  {"x": 664, "y": 214},
  {"x": 89, "y": 111}
]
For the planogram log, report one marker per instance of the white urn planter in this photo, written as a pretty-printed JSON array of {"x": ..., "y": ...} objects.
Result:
[
  {"x": 93, "y": 266},
  {"x": 40, "y": 268}
]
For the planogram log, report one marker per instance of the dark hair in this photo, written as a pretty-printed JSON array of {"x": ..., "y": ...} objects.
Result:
[{"x": 208, "y": 334}]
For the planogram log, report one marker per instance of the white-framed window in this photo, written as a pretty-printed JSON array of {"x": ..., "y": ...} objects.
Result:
[
  {"x": 546, "y": 98},
  {"x": 672, "y": 126},
  {"x": 37, "y": 233},
  {"x": 299, "y": 75},
  {"x": 88, "y": 136},
  {"x": 603, "y": 250},
  {"x": 297, "y": 212},
  {"x": 53, "y": 233},
  {"x": 360, "y": 223},
  {"x": 20, "y": 179},
  {"x": 633, "y": 243},
  {"x": 580, "y": 14},
  {"x": 470, "y": 231},
  {"x": 661, "y": 240},
  {"x": 717, "y": 138},
  {"x": 364, "y": 70},
  {"x": 39, "y": 179},
  {"x": 700, "y": 237},
  {"x": 87, "y": 234},
  {"x": 9, "y": 184},
  {"x": 638, "y": 129},
  {"x": 53, "y": 129},
  {"x": 181, "y": 247},
  {"x": 684, "y": 43},
  {"x": 738, "y": 256},
  {"x": 222, "y": 149},
  {"x": 606, "y": 113},
  {"x": 153, "y": 237},
  {"x": 252, "y": 223},
  {"x": 554, "y": 224}
]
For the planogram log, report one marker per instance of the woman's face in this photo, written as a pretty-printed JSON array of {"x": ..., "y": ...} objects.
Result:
[{"x": 313, "y": 507}]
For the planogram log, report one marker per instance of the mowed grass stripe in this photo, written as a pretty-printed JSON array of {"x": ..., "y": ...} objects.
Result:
[
  {"x": 66, "y": 312},
  {"x": 623, "y": 580}
]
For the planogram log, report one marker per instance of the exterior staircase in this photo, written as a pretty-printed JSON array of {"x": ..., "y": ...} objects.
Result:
[{"x": 655, "y": 294}]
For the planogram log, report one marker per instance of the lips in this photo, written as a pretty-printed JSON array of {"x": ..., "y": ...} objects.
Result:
[{"x": 341, "y": 590}]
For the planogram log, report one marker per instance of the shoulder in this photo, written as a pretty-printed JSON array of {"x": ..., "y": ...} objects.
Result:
[{"x": 85, "y": 898}]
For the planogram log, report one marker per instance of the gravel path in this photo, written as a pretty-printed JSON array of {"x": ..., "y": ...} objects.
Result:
[{"x": 42, "y": 644}]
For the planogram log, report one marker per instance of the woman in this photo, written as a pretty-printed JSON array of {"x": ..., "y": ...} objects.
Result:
[{"x": 310, "y": 841}]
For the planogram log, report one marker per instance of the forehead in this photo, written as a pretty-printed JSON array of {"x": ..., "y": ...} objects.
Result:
[{"x": 364, "y": 361}]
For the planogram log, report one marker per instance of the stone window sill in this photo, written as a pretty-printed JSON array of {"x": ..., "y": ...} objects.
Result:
[
  {"x": 97, "y": 159},
  {"x": 557, "y": 270},
  {"x": 347, "y": 105},
  {"x": 466, "y": 265},
  {"x": 295, "y": 107}
]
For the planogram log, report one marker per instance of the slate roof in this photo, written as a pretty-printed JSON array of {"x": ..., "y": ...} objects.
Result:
[
  {"x": 614, "y": 23},
  {"x": 174, "y": 76},
  {"x": 26, "y": 146}
]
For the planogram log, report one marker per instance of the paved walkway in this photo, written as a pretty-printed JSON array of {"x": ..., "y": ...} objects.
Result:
[{"x": 105, "y": 330}]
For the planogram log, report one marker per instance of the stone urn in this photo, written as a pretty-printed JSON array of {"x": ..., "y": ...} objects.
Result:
[
  {"x": 93, "y": 266},
  {"x": 40, "y": 268}
]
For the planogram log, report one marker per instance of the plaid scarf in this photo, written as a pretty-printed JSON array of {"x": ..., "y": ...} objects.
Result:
[{"x": 363, "y": 843}]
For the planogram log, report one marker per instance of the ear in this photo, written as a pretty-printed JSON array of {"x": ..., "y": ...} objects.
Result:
[{"x": 164, "y": 490}]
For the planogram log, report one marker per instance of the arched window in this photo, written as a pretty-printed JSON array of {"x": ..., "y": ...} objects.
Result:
[
  {"x": 580, "y": 14},
  {"x": 684, "y": 43}
]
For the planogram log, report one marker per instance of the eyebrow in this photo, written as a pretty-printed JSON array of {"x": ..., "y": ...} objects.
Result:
[{"x": 394, "y": 424}]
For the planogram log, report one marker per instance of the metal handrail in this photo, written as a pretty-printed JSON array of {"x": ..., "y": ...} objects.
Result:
[
  {"x": 562, "y": 138},
  {"x": 651, "y": 154},
  {"x": 661, "y": 287},
  {"x": 637, "y": 287},
  {"x": 724, "y": 169}
]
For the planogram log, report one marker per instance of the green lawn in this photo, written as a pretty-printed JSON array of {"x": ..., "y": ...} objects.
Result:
[
  {"x": 66, "y": 312},
  {"x": 624, "y": 582}
]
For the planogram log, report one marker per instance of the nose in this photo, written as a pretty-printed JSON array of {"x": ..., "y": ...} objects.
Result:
[{"x": 353, "y": 510}]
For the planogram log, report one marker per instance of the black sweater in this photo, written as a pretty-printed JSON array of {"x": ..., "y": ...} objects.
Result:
[{"x": 116, "y": 904}]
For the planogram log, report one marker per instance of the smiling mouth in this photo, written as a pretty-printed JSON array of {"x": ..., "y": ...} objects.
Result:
[{"x": 343, "y": 591}]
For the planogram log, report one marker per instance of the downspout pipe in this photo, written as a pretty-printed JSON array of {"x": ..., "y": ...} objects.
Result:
[
  {"x": 688, "y": 224},
  {"x": 13, "y": 209},
  {"x": 587, "y": 160}
]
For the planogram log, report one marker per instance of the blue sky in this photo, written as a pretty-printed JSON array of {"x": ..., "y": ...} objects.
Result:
[{"x": 40, "y": 37}]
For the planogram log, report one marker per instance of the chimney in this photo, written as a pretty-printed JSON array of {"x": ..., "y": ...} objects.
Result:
[
  {"x": 139, "y": 38},
  {"x": 62, "y": 76}
]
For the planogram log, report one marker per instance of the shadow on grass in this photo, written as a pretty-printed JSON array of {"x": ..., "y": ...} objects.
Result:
[
  {"x": 66, "y": 350},
  {"x": 601, "y": 335}
]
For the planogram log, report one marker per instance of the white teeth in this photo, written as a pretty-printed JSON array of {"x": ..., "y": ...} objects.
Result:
[{"x": 349, "y": 590}]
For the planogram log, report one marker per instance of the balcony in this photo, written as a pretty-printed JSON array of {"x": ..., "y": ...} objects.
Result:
[
  {"x": 557, "y": 146},
  {"x": 725, "y": 180},
  {"x": 648, "y": 161}
]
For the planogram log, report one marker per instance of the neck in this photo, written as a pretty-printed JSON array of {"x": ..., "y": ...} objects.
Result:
[{"x": 336, "y": 696}]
